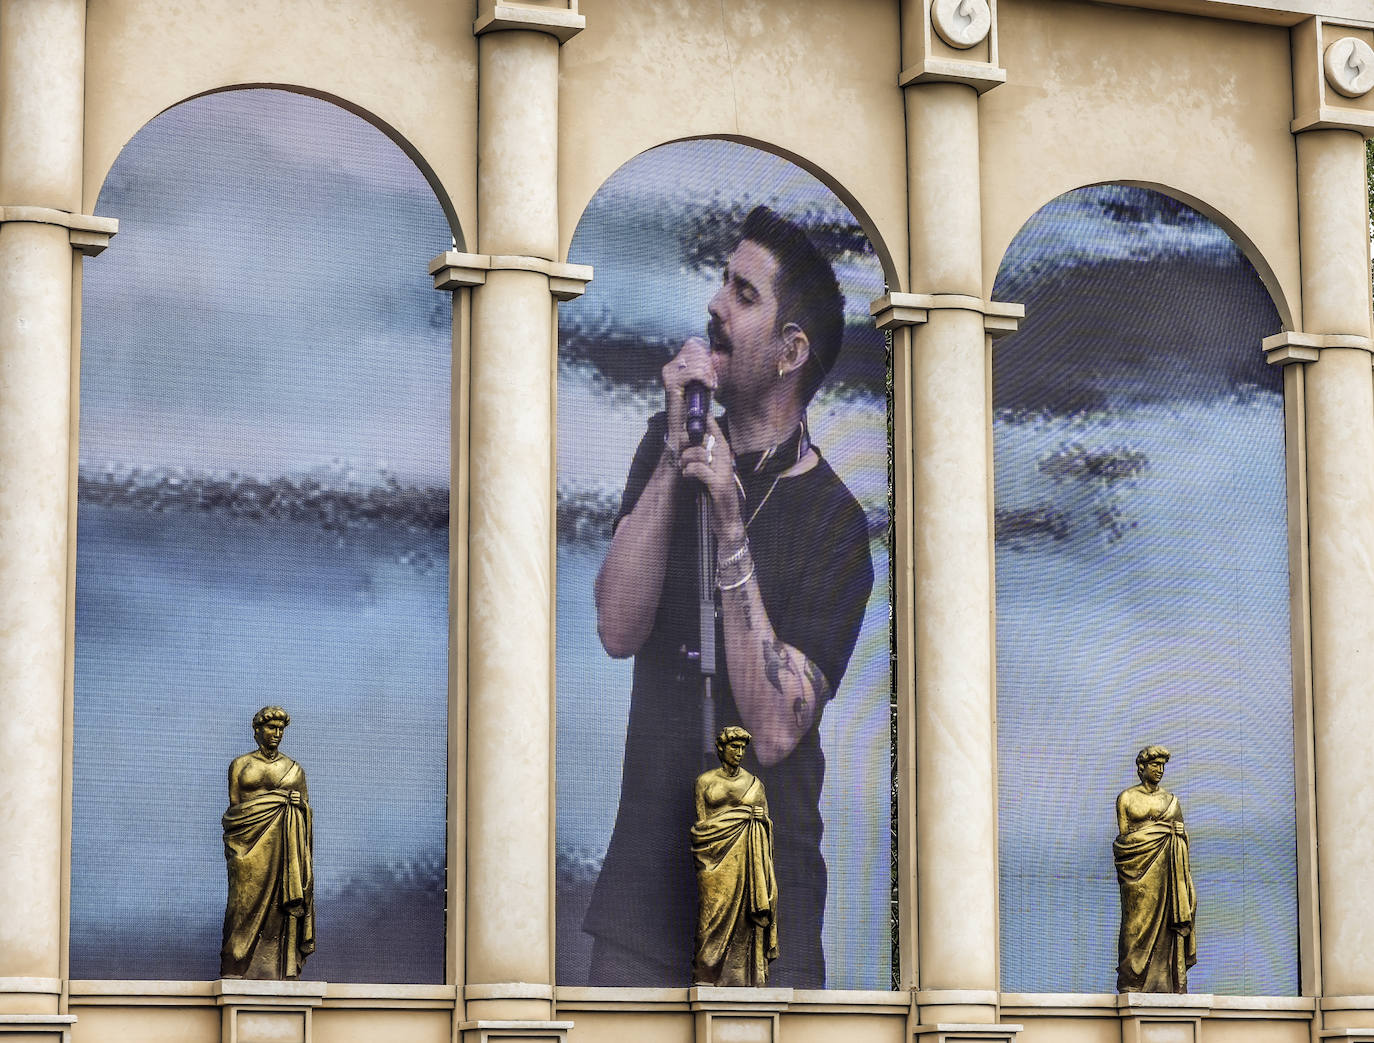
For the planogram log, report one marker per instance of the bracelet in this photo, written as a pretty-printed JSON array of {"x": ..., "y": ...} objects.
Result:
[
  {"x": 725, "y": 562},
  {"x": 736, "y": 573},
  {"x": 739, "y": 582}
]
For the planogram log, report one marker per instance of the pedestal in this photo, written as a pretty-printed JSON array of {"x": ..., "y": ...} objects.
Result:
[
  {"x": 1161, "y": 1017},
  {"x": 521, "y": 1031},
  {"x": 738, "y": 1015},
  {"x": 266, "y": 1011}
]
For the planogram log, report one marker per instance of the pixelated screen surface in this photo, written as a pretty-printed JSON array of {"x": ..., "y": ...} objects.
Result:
[
  {"x": 1142, "y": 587},
  {"x": 263, "y": 519},
  {"x": 658, "y": 234}
]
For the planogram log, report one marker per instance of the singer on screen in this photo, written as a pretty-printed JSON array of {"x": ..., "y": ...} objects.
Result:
[{"x": 792, "y": 575}]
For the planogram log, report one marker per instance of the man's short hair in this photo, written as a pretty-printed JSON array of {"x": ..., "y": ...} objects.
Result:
[{"x": 807, "y": 291}]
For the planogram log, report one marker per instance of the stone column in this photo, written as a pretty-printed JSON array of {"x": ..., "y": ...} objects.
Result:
[
  {"x": 509, "y": 915},
  {"x": 948, "y": 65},
  {"x": 41, "y": 107},
  {"x": 1337, "y": 390}
]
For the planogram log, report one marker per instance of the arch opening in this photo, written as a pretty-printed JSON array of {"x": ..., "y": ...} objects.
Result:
[
  {"x": 659, "y": 234},
  {"x": 1142, "y": 586},
  {"x": 262, "y": 519}
]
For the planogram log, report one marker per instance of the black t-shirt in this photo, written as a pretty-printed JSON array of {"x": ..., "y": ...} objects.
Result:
[{"x": 809, "y": 542}]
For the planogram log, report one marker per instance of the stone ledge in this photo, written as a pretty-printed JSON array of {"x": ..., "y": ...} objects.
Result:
[
  {"x": 524, "y": 1031},
  {"x": 57, "y": 1027},
  {"x": 714, "y": 998},
  {"x": 981, "y": 76},
  {"x": 1291, "y": 346},
  {"x": 954, "y": 1032},
  {"x": 562, "y": 24},
  {"x": 88, "y": 234},
  {"x": 454, "y": 270},
  {"x": 508, "y": 990},
  {"x": 47, "y": 986},
  {"x": 911, "y": 309}
]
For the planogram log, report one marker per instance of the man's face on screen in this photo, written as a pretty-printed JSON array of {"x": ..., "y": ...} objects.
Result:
[{"x": 744, "y": 323}]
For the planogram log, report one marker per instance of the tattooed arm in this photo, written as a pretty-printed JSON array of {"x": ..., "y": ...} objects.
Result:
[{"x": 779, "y": 691}]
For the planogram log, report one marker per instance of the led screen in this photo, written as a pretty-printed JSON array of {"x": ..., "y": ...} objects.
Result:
[
  {"x": 806, "y": 667},
  {"x": 1142, "y": 587},
  {"x": 263, "y": 519}
]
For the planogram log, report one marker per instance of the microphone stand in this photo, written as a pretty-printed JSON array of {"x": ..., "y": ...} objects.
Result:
[
  {"x": 706, "y": 616},
  {"x": 698, "y": 410}
]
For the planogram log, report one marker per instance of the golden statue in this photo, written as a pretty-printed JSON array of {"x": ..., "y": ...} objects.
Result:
[
  {"x": 732, "y": 844},
  {"x": 1157, "y": 943},
  {"x": 269, "y": 920}
]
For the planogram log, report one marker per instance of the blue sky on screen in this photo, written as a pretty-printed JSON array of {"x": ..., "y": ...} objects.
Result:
[{"x": 213, "y": 341}]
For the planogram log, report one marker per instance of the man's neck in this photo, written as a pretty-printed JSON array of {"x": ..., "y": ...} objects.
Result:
[{"x": 763, "y": 428}]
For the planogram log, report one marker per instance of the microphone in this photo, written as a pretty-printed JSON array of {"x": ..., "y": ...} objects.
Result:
[{"x": 698, "y": 397}]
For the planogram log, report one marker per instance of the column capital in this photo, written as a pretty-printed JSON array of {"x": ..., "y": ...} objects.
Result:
[
  {"x": 561, "y": 22},
  {"x": 1283, "y": 349},
  {"x": 950, "y": 41},
  {"x": 1333, "y": 76},
  {"x": 452, "y": 270},
  {"x": 893, "y": 310},
  {"x": 89, "y": 234}
]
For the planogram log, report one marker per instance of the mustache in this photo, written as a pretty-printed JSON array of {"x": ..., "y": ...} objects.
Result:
[{"x": 716, "y": 335}]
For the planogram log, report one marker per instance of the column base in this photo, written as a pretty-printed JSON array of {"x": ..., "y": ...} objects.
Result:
[
  {"x": 737, "y": 1015},
  {"x": 524, "y": 1031},
  {"x": 1162, "y": 1017},
  {"x": 253, "y": 1011},
  {"x": 36, "y": 1028},
  {"x": 955, "y": 1033}
]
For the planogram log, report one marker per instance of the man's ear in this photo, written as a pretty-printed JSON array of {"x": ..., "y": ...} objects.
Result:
[{"x": 796, "y": 349}]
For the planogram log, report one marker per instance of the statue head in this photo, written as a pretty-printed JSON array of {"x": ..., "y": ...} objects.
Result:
[
  {"x": 268, "y": 725},
  {"x": 732, "y": 739},
  {"x": 1149, "y": 760}
]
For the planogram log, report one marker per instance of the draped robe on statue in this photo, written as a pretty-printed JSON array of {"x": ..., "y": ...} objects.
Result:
[
  {"x": 269, "y": 919},
  {"x": 737, "y": 928},
  {"x": 1157, "y": 943}
]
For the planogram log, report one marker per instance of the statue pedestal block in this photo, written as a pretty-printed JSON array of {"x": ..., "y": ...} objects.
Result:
[
  {"x": 1162, "y": 1017},
  {"x": 955, "y": 1033},
  {"x": 514, "y": 1031},
  {"x": 737, "y": 1015},
  {"x": 36, "y": 1028},
  {"x": 254, "y": 1011}
]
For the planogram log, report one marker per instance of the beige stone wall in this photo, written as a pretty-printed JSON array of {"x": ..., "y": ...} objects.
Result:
[{"x": 516, "y": 130}]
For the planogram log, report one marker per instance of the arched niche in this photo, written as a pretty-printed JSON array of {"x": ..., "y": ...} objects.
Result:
[
  {"x": 264, "y": 475},
  {"x": 658, "y": 234},
  {"x": 1243, "y": 241},
  {"x": 458, "y": 237},
  {"x": 894, "y": 274},
  {"x": 1143, "y": 591}
]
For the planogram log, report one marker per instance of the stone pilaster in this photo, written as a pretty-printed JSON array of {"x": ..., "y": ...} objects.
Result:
[
  {"x": 1337, "y": 387},
  {"x": 42, "y": 55},
  {"x": 949, "y": 59},
  {"x": 515, "y": 280}
]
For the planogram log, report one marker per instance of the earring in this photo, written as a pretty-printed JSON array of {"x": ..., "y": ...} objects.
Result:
[{"x": 781, "y": 370}]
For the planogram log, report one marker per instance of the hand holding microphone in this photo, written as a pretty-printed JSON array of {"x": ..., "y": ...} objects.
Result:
[{"x": 688, "y": 380}]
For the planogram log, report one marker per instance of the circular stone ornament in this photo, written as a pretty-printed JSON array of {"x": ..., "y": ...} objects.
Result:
[
  {"x": 1350, "y": 66},
  {"x": 961, "y": 23}
]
